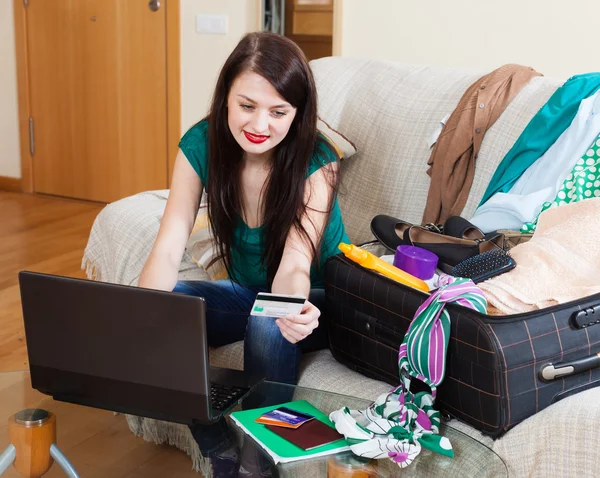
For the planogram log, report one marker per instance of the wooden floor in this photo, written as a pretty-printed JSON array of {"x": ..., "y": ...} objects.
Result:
[
  {"x": 42, "y": 234},
  {"x": 98, "y": 443},
  {"x": 47, "y": 234}
]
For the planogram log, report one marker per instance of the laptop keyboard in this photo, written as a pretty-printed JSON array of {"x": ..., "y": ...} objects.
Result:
[{"x": 223, "y": 396}]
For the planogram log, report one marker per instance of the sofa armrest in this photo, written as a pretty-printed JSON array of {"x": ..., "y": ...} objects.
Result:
[{"x": 122, "y": 237}]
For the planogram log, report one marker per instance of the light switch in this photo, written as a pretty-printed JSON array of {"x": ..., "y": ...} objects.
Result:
[{"x": 211, "y": 24}]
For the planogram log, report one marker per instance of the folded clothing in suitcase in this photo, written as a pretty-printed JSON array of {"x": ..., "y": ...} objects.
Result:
[{"x": 500, "y": 369}]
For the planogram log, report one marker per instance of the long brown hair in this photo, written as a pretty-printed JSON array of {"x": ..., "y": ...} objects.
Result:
[{"x": 281, "y": 62}]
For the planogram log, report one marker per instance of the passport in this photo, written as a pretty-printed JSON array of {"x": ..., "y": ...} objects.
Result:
[{"x": 311, "y": 434}]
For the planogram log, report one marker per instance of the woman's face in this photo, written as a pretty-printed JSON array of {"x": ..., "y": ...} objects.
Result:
[{"x": 259, "y": 118}]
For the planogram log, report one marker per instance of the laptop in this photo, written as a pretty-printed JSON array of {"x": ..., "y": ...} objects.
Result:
[{"x": 126, "y": 349}]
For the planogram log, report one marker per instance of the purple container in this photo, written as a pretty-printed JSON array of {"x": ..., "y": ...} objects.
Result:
[{"x": 416, "y": 261}]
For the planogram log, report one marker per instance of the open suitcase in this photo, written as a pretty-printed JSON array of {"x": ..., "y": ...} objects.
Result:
[{"x": 500, "y": 369}]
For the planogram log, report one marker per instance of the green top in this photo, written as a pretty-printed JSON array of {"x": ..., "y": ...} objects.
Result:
[{"x": 246, "y": 254}]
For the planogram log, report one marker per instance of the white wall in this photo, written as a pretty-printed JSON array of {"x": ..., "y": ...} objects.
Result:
[
  {"x": 10, "y": 158},
  {"x": 202, "y": 55},
  {"x": 557, "y": 38}
]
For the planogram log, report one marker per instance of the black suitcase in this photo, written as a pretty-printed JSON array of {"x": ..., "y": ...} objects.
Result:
[{"x": 500, "y": 369}]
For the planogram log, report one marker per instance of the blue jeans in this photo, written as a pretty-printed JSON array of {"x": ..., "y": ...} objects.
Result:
[{"x": 266, "y": 351}]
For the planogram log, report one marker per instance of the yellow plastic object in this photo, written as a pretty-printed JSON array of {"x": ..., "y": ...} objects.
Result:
[{"x": 370, "y": 261}]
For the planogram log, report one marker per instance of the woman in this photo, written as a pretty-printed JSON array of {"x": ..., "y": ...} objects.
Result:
[{"x": 271, "y": 183}]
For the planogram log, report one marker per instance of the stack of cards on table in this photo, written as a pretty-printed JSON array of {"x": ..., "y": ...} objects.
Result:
[{"x": 284, "y": 417}]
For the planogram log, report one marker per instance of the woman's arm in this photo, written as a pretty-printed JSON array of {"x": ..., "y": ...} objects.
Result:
[
  {"x": 161, "y": 268},
  {"x": 293, "y": 274}
]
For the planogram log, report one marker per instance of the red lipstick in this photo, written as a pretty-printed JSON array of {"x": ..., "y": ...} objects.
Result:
[{"x": 255, "y": 138}]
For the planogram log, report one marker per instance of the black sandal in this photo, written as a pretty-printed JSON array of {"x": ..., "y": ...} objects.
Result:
[
  {"x": 393, "y": 232},
  {"x": 452, "y": 250}
]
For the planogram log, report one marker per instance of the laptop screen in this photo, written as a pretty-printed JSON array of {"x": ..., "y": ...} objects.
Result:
[{"x": 122, "y": 348}]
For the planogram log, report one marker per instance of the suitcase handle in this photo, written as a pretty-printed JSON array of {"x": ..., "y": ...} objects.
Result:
[
  {"x": 550, "y": 372},
  {"x": 586, "y": 317}
]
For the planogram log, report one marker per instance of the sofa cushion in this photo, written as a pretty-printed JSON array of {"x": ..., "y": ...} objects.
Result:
[
  {"x": 228, "y": 356},
  {"x": 318, "y": 370}
]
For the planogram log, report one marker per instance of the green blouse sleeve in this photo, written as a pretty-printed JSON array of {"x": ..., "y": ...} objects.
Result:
[
  {"x": 194, "y": 145},
  {"x": 323, "y": 155}
]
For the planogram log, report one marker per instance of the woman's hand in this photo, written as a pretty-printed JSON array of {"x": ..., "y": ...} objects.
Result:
[{"x": 297, "y": 327}]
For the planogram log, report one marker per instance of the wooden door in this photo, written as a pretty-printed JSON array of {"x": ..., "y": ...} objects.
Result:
[
  {"x": 98, "y": 90},
  {"x": 310, "y": 24}
]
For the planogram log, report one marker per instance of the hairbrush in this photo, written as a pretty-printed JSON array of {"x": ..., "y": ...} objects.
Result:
[{"x": 484, "y": 266}]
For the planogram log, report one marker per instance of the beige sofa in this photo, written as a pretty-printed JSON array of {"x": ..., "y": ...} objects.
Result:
[{"x": 389, "y": 111}]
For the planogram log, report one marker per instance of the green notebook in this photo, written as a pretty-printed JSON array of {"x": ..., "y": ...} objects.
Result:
[{"x": 281, "y": 450}]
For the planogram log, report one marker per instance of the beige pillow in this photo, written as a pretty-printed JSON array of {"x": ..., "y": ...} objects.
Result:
[{"x": 342, "y": 145}]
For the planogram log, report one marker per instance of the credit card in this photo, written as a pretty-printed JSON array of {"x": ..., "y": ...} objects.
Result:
[
  {"x": 277, "y": 305},
  {"x": 284, "y": 417}
]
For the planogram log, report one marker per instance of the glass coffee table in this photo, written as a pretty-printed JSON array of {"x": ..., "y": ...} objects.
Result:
[{"x": 99, "y": 443}]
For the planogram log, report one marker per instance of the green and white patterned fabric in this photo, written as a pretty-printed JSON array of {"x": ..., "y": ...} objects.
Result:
[
  {"x": 583, "y": 182},
  {"x": 399, "y": 424}
]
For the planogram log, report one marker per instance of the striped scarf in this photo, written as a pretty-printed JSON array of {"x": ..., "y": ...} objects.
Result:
[{"x": 398, "y": 424}]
